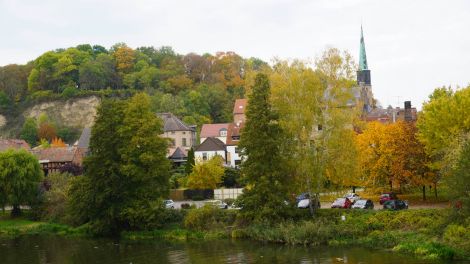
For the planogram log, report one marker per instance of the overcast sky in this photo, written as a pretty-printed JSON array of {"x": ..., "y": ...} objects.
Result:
[{"x": 412, "y": 46}]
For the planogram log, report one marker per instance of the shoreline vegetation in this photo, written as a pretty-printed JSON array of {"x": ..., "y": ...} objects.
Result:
[{"x": 439, "y": 234}]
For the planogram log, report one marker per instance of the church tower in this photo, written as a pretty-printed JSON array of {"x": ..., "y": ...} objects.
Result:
[{"x": 363, "y": 78}]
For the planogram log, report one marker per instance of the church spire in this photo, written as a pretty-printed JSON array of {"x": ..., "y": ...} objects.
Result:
[{"x": 362, "y": 54}]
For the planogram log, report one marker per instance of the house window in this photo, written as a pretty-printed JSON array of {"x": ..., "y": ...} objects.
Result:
[
  {"x": 204, "y": 156},
  {"x": 184, "y": 133},
  {"x": 184, "y": 142},
  {"x": 238, "y": 163},
  {"x": 223, "y": 132},
  {"x": 236, "y": 150}
]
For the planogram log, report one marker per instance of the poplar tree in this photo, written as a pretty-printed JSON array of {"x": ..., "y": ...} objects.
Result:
[{"x": 266, "y": 191}]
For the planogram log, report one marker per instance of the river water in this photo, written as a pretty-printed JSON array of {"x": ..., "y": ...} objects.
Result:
[{"x": 53, "y": 249}]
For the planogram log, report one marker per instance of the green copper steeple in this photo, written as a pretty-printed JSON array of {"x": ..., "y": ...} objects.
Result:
[{"x": 362, "y": 54}]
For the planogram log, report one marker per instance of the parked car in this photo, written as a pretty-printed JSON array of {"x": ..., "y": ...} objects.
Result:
[
  {"x": 363, "y": 204},
  {"x": 344, "y": 203},
  {"x": 387, "y": 197},
  {"x": 301, "y": 197},
  {"x": 217, "y": 203},
  {"x": 395, "y": 205},
  {"x": 169, "y": 204},
  {"x": 353, "y": 197},
  {"x": 305, "y": 203}
]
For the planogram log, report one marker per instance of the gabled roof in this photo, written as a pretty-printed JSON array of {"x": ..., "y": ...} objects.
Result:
[
  {"x": 240, "y": 106},
  {"x": 56, "y": 154},
  {"x": 172, "y": 123},
  {"x": 212, "y": 130},
  {"x": 13, "y": 144},
  {"x": 211, "y": 144},
  {"x": 84, "y": 140}
]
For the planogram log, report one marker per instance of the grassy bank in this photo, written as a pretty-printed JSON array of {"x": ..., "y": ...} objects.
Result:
[{"x": 429, "y": 233}]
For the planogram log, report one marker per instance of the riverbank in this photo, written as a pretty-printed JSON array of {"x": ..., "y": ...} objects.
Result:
[{"x": 427, "y": 233}]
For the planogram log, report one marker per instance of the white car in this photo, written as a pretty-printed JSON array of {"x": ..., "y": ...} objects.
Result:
[
  {"x": 305, "y": 203},
  {"x": 169, "y": 204},
  {"x": 217, "y": 203},
  {"x": 353, "y": 197}
]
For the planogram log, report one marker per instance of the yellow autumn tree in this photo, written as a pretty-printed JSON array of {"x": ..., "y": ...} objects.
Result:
[{"x": 206, "y": 175}]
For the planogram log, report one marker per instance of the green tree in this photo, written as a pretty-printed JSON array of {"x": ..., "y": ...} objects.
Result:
[
  {"x": 443, "y": 122},
  {"x": 190, "y": 162},
  {"x": 127, "y": 171},
  {"x": 207, "y": 175},
  {"x": 460, "y": 178},
  {"x": 29, "y": 132},
  {"x": 263, "y": 169},
  {"x": 20, "y": 175}
]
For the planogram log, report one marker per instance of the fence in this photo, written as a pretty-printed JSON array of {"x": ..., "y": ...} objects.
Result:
[{"x": 232, "y": 193}]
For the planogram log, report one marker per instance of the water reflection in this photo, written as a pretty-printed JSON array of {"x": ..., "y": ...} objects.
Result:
[{"x": 44, "y": 249}]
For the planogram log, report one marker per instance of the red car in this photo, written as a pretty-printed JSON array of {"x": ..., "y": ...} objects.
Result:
[
  {"x": 387, "y": 197},
  {"x": 344, "y": 203}
]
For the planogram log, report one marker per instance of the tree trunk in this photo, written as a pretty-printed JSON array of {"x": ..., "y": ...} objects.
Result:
[
  {"x": 354, "y": 189},
  {"x": 424, "y": 192},
  {"x": 435, "y": 190},
  {"x": 16, "y": 211}
]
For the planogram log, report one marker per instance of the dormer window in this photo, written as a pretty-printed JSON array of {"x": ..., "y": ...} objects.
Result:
[{"x": 223, "y": 132}]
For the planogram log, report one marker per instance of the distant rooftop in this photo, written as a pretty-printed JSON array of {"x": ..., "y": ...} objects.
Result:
[
  {"x": 173, "y": 123},
  {"x": 240, "y": 106},
  {"x": 13, "y": 144},
  {"x": 84, "y": 140},
  {"x": 212, "y": 130},
  {"x": 211, "y": 144}
]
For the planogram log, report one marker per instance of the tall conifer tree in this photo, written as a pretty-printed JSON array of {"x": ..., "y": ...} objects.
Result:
[{"x": 266, "y": 191}]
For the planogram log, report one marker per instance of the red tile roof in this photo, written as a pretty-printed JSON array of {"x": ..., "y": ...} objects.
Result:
[
  {"x": 56, "y": 154},
  {"x": 240, "y": 105},
  {"x": 212, "y": 130},
  {"x": 13, "y": 144}
]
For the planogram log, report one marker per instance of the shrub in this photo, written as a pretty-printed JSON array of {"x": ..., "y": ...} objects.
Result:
[
  {"x": 458, "y": 236},
  {"x": 208, "y": 218},
  {"x": 56, "y": 197},
  {"x": 149, "y": 216},
  {"x": 69, "y": 92}
]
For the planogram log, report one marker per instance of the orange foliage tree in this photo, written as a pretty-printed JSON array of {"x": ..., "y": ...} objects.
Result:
[
  {"x": 57, "y": 142},
  {"x": 47, "y": 131},
  {"x": 391, "y": 155}
]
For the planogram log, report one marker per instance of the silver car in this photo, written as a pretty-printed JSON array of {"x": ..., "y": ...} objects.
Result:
[{"x": 169, "y": 204}]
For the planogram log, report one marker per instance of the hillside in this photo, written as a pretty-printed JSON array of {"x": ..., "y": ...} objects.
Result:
[{"x": 197, "y": 88}]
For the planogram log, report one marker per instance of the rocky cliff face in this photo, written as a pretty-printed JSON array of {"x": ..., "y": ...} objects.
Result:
[
  {"x": 78, "y": 113},
  {"x": 74, "y": 113}
]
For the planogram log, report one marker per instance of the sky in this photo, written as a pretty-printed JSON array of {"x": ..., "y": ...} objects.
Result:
[{"x": 412, "y": 46}]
